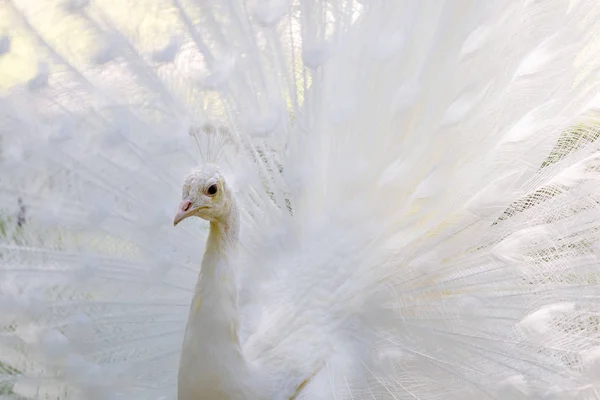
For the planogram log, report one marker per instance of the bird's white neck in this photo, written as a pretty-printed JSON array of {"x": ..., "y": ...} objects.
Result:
[
  {"x": 221, "y": 246},
  {"x": 212, "y": 364}
]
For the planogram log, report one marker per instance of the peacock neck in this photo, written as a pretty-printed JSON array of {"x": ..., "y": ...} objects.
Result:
[
  {"x": 212, "y": 364},
  {"x": 216, "y": 291},
  {"x": 221, "y": 245}
]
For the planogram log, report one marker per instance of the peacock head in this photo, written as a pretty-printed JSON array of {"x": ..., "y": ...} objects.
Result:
[{"x": 204, "y": 195}]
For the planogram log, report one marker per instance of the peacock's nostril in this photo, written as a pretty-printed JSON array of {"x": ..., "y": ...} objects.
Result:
[{"x": 186, "y": 205}]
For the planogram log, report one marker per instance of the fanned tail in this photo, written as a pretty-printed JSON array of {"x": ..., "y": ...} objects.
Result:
[{"x": 446, "y": 208}]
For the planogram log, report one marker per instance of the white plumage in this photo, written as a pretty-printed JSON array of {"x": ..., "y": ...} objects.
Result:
[{"x": 403, "y": 199}]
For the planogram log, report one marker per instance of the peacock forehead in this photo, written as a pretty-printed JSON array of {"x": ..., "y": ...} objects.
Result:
[{"x": 202, "y": 175}]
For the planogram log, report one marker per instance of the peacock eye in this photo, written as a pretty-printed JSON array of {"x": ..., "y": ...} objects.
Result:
[{"x": 212, "y": 190}]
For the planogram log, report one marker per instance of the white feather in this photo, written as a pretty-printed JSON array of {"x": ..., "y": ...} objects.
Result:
[{"x": 416, "y": 181}]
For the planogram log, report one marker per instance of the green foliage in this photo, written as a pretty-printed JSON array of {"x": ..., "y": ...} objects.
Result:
[
  {"x": 4, "y": 221},
  {"x": 6, "y": 386}
]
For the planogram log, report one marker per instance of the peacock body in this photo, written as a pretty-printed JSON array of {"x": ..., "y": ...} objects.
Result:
[{"x": 401, "y": 199}]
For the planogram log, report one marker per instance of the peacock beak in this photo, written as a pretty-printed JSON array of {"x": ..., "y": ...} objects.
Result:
[{"x": 185, "y": 210}]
